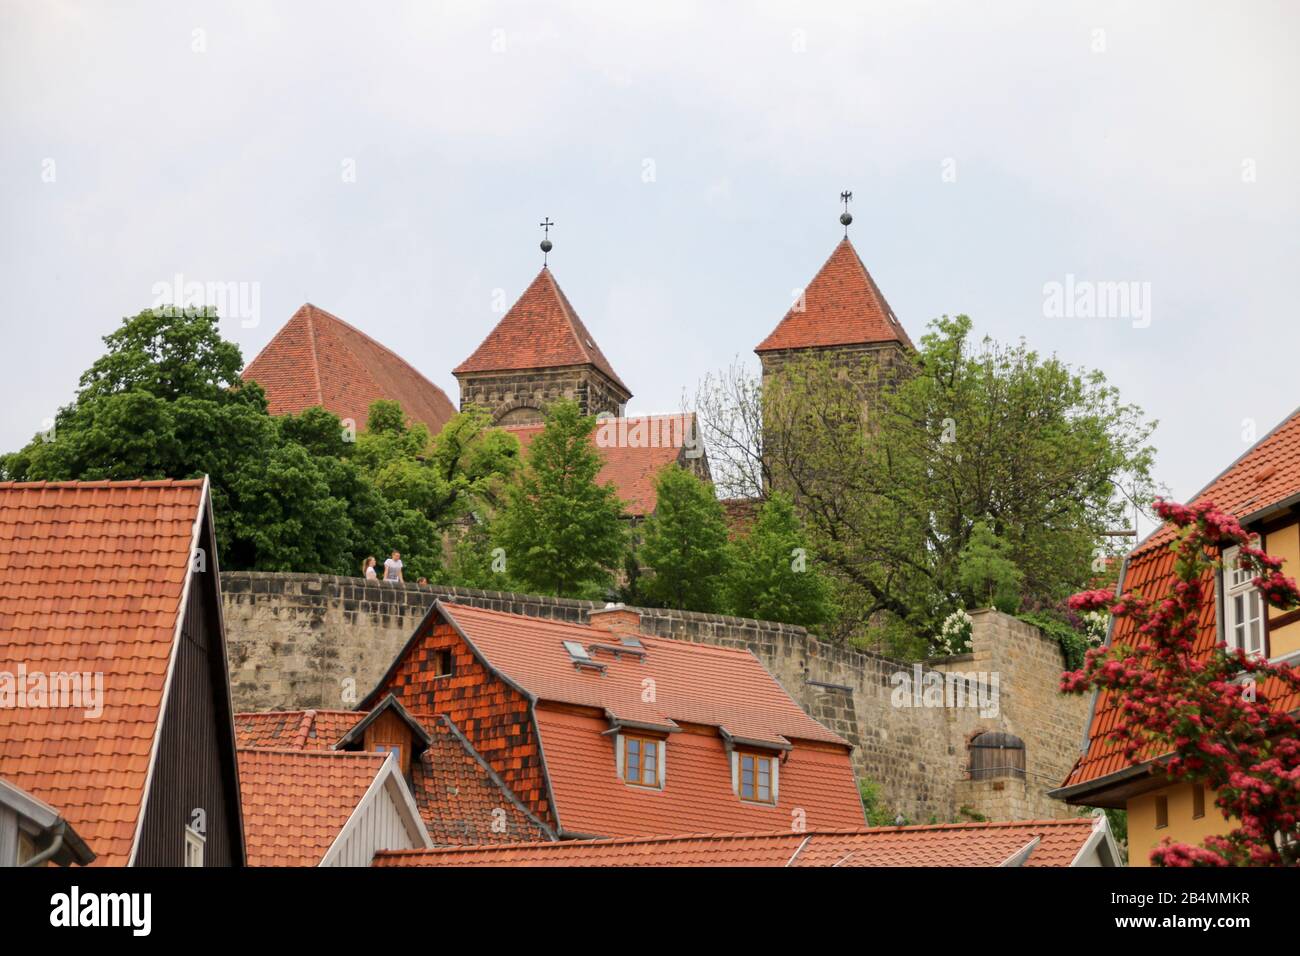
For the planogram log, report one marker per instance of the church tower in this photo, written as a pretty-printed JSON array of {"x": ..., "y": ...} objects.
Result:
[
  {"x": 538, "y": 353},
  {"x": 842, "y": 316}
]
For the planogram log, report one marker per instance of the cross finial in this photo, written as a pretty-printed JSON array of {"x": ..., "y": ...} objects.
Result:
[
  {"x": 846, "y": 217},
  {"x": 547, "y": 246}
]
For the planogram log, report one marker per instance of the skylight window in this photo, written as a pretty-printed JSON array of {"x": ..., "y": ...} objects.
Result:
[{"x": 577, "y": 651}]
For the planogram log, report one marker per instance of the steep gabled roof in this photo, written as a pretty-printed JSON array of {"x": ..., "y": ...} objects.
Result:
[
  {"x": 541, "y": 330},
  {"x": 297, "y": 802},
  {"x": 634, "y": 450},
  {"x": 461, "y": 798},
  {"x": 1048, "y": 843},
  {"x": 841, "y": 306},
  {"x": 94, "y": 582},
  {"x": 586, "y": 683},
  {"x": 719, "y": 687},
  {"x": 1265, "y": 477},
  {"x": 318, "y": 359}
]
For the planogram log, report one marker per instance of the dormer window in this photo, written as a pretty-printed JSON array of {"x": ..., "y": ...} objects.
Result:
[
  {"x": 755, "y": 783},
  {"x": 641, "y": 761},
  {"x": 1243, "y": 612}
]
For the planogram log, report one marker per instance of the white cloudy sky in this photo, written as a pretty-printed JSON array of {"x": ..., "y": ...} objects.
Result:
[{"x": 1103, "y": 140}]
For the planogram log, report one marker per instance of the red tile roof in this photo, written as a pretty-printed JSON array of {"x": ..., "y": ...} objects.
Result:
[
  {"x": 93, "y": 574},
  {"x": 841, "y": 306},
  {"x": 297, "y": 801},
  {"x": 635, "y": 450},
  {"x": 818, "y": 785},
  {"x": 693, "y": 683},
  {"x": 950, "y": 845},
  {"x": 461, "y": 799},
  {"x": 295, "y": 729},
  {"x": 541, "y": 330},
  {"x": 318, "y": 359},
  {"x": 1265, "y": 475}
]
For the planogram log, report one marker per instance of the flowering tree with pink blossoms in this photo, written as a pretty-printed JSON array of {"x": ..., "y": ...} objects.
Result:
[{"x": 1205, "y": 718}]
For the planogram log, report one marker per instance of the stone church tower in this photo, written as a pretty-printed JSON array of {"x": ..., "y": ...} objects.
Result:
[
  {"x": 538, "y": 353},
  {"x": 843, "y": 316}
]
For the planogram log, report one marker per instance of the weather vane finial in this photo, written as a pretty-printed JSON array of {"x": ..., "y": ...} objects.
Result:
[
  {"x": 547, "y": 246},
  {"x": 846, "y": 217}
]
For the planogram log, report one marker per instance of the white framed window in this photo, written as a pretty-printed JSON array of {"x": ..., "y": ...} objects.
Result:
[
  {"x": 194, "y": 843},
  {"x": 1243, "y": 608}
]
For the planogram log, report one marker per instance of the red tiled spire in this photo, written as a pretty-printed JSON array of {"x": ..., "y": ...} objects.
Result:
[
  {"x": 318, "y": 359},
  {"x": 541, "y": 330},
  {"x": 841, "y": 306}
]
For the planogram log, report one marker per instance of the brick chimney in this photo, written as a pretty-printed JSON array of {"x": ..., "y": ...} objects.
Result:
[{"x": 617, "y": 620}]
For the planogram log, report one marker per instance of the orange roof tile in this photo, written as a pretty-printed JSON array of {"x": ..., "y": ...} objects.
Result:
[
  {"x": 461, "y": 799},
  {"x": 948, "y": 845},
  {"x": 296, "y": 801},
  {"x": 295, "y": 729},
  {"x": 93, "y": 579},
  {"x": 1267, "y": 474},
  {"x": 692, "y": 683},
  {"x": 541, "y": 330},
  {"x": 841, "y": 306},
  {"x": 634, "y": 450},
  {"x": 590, "y": 798},
  {"x": 318, "y": 359}
]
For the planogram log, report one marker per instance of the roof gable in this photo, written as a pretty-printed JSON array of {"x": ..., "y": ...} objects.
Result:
[
  {"x": 842, "y": 305},
  {"x": 296, "y": 802},
  {"x": 95, "y": 575},
  {"x": 318, "y": 359},
  {"x": 541, "y": 330}
]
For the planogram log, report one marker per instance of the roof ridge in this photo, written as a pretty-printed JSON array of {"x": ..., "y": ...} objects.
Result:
[
  {"x": 694, "y": 646},
  {"x": 315, "y": 357},
  {"x": 109, "y": 483},
  {"x": 315, "y": 753},
  {"x": 721, "y": 836}
]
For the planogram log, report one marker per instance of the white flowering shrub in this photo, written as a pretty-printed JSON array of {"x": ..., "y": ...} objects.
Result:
[
  {"x": 1095, "y": 625},
  {"x": 954, "y": 634}
]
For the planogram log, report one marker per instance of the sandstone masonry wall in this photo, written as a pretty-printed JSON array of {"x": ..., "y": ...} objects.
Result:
[{"x": 305, "y": 640}]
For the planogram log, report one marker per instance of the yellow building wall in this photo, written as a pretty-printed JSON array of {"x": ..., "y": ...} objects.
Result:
[
  {"x": 1284, "y": 544},
  {"x": 1144, "y": 836}
]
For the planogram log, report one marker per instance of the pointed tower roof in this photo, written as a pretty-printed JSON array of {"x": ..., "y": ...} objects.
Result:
[
  {"x": 541, "y": 330},
  {"x": 841, "y": 306},
  {"x": 318, "y": 359}
]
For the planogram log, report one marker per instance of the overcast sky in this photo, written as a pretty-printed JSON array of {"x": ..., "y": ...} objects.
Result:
[{"x": 390, "y": 162}]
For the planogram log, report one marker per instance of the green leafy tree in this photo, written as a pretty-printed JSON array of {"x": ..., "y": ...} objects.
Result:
[
  {"x": 166, "y": 401},
  {"x": 986, "y": 572},
  {"x": 561, "y": 530},
  {"x": 430, "y": 486},
  {"x": 890, "y": 470},
  {"x": 684, "y": 544},
  {"x": 771, "y": 577}
]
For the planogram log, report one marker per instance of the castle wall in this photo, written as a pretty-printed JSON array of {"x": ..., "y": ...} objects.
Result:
[{"x": 303, "y": 640}]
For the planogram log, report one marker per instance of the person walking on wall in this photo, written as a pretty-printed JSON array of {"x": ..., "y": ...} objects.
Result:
[
  {"x": 368, "y": 569},
  {"x": 393, "y": 569}
]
